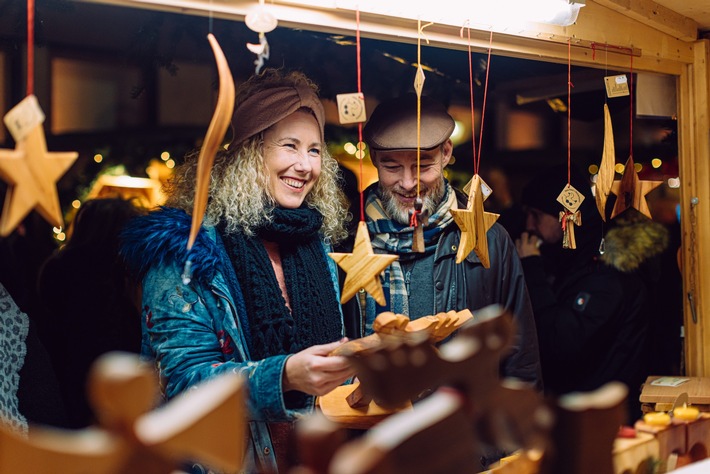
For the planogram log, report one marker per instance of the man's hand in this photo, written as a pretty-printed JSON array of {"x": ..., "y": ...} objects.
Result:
[
  {"x": 312, "y": 371},
  {"x": 528, "y": 245}
]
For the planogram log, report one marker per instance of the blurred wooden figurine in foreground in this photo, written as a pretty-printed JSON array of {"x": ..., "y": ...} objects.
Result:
[
  {"x": 352, "y": 405},
  {"x": 131, "y": 438},
  {"x": 470, "y": 405}
]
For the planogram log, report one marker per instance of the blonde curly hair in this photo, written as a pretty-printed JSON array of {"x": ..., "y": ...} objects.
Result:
[{"x": 239, "y": 193}]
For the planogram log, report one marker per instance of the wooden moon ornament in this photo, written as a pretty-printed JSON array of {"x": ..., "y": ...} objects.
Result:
[
  {"x": 215, "y": 133},
  {"x": 363, "y": 267},
  {"x": 605, "y": 177}
]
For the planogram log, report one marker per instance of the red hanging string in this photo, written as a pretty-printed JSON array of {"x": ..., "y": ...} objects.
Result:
[
  {"x": 569, "y": 110},
  {"x": 631, "y": 107},
  {"x": 30, "y": 47},
  {"x": 483, "y": 109},
  {"x": 359, "y": 153},
  {"x": 473, "y": 110}
]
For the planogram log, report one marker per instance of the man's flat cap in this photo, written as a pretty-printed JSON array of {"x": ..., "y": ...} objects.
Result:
[{"x": 393, "y": 124}]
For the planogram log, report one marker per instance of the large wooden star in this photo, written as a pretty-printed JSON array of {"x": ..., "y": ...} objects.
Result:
[
  {"x": 631, "y": 191},
  {"x": 474, "y": 222},
  {"x": 363, "y": 267},
  {"x": 31, "y": 173},
  {"x": 605, "y": 177}
]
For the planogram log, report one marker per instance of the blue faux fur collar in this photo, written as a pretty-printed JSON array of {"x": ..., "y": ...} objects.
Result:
[{"x": 160, "y": 238}]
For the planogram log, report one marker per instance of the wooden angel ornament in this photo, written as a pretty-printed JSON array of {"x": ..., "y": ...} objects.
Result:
[{"x": 571, "y": 199}]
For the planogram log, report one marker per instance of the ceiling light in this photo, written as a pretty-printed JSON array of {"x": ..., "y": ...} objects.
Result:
[{"x": 477, "y": 13}]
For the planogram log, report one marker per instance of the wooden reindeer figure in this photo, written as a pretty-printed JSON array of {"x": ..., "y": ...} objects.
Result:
[
  {"x": 351, "y": 405},
  {"x": 469, "y": 405}
]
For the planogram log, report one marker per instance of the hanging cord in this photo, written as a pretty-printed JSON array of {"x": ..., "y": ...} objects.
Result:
[
  {"x": 415, "y": 220},
  {"x": 631, "y": 106},
  {"x": 30, "y": 47},
  {"x": 483, "y": 107},
  {"x": 359, "y": 152},
  {"x": 567, "y": 213},
  {"x": 470, "y": 86}
]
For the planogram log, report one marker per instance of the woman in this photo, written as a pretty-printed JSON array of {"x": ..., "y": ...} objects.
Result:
[
  {"x": 92, "y": 306},
  {"x": 263, "y": 299}
]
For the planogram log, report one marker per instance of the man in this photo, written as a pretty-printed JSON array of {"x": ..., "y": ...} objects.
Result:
[
  {"x": 592, "y": 306},
  {"x": 421, "y": 284}
]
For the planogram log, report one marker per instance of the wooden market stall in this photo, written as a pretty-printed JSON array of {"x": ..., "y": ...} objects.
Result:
[{"x": 660, "y": 40}]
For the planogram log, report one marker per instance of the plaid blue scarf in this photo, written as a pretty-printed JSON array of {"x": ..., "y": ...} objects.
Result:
[{"x": 391, "y": 237}]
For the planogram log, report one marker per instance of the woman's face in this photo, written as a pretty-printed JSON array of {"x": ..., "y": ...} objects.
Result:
[{"x": 292, "y": 157}]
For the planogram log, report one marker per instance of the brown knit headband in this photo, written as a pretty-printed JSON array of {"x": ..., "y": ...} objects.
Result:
[{"x": 267, "y": 107}]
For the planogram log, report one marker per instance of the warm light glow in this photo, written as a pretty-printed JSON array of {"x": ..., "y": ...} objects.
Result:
[
  {"x": 361, "y": 146},
  {"x": 56, "y": 230},
  {"x": 350, "y": 148},
  {"x": 170, "y": 163},
  {"x": 656, "y": 162},
  {"x": 459, "y": 133},
  {"x": 450, "y": 12},
  {"x": 593, "y": 169},
  {"x": 619, "y": 168},
  {"x": 359, "y": 154},
  {"x": 98, "y": 158},
  {"x": 61, "y": 236},
  {"x": 638, "y": 167},
  {"x": 165, "y": 156},
  {"x": 674, "y": 182},
  {"x": 76, "y": 204}
]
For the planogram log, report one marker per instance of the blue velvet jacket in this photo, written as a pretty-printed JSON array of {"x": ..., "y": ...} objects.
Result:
[{"x": 198, "y": 330}]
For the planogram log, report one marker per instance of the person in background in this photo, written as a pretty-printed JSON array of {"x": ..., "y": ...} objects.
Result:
[
  {"x": 421, "y": 284},
  {"x": 92, "y": 306},
  {"x": 591, "y": 309},
  {"x": 263, "y": 296}
]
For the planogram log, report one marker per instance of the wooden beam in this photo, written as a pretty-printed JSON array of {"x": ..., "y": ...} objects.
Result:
[
  {"x": 656, "y": 16},
  {"x": 694, "y": 164},
  {"x": 659, "y": 52}
]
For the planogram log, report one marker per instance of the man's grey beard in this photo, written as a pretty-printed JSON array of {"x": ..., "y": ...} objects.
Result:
[{"x": 398, "y": 213}]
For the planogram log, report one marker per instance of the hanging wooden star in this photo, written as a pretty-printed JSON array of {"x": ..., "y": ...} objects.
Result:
[
  {"x": 605, "y": 177},
  {"x": 363, "y": 267},
  {"x": 474, "y": 222},
  {"x": 631, "y": 191},
  {"x": 31, "y": 173}
]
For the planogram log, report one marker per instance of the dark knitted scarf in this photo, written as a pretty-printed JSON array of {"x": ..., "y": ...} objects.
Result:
[{"x": 314, "y": 317}]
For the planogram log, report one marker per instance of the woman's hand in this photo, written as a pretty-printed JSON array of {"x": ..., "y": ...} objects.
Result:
[
  {"x": 312, "y": 371},
  {"x": 528, "y": 245}
]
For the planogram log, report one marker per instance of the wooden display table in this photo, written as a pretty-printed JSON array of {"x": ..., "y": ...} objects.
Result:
[{"x": 661, "y": 398}]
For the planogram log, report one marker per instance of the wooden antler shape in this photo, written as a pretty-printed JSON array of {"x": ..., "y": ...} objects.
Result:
[
  {"x": 130, "y": 439},
  {"x": 359, "y": 411},
  {"x": 470, "y": 404},
  {"x": 215, "y": 133}
]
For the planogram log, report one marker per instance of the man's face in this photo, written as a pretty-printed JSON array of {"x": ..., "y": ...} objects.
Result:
[
  {"x": 544, "y": 225},
  {"x": 398, "y": 179}
]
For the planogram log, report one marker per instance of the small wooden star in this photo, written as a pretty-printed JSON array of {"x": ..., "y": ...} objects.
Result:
[
  {"x": 474, "y": 222},
  {"x": 631, "y": 191},
  {"x": 31, "y": 173},
  {"x": 605, "y": 176},
  {"x": 363, "y": 267}
]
